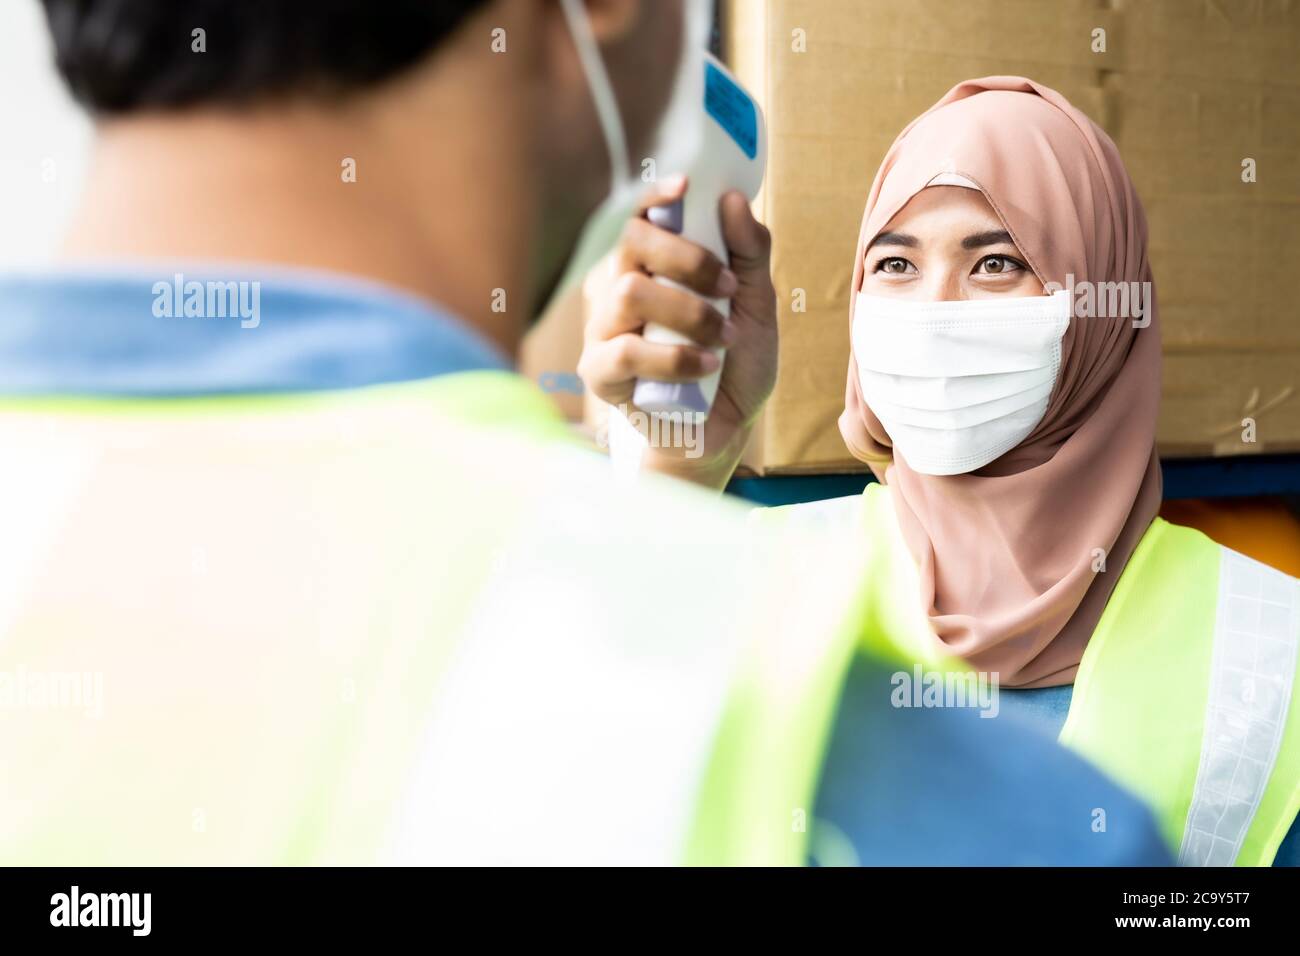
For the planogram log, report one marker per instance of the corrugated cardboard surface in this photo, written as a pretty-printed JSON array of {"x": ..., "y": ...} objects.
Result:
[{"x": 1187, "y": 88}]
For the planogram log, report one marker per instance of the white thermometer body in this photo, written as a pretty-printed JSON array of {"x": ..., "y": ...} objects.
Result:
[{"x": 732, "y": 155}]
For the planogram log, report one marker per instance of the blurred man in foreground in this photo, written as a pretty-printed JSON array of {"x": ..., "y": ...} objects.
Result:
[{"x": 296, "y": 570}]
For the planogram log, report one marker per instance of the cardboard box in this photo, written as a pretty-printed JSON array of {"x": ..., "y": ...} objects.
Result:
[{"x": 1189, "y": 89}]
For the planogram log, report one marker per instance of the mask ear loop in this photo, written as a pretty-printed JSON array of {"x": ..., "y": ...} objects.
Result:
[{"x": 602, "y": 90}]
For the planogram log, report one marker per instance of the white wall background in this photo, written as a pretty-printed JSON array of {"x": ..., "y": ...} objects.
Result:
[{"x": 44, "y": 140}]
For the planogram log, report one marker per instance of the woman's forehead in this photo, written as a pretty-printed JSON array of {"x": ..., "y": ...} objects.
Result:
[{"x": 939, "y": 212}]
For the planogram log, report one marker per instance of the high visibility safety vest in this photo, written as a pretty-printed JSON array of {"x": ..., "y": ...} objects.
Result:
[
  {"x": 1185, "y": 695},
  {"x": 1185, "y": 691},
  {"x": 402, "y": 623}
]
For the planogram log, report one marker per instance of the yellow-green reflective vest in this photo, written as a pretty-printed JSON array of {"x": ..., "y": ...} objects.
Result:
[
  {"x": 1185, "y": 695},
  {"x": 1185, "y": 691},
  {"x": 408, "y": 623}
]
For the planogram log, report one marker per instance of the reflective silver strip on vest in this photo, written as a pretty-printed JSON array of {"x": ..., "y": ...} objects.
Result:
[{"x": 1252, "y": 670}]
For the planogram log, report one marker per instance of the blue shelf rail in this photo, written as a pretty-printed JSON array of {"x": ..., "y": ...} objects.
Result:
[{"x": 1243, "y": 476}]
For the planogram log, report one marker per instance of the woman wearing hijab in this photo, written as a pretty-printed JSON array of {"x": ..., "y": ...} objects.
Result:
[{"x": 1003, "y": 386}]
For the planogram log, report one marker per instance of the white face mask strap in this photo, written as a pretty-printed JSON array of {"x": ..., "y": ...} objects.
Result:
[{"x": 602, "y": 91}]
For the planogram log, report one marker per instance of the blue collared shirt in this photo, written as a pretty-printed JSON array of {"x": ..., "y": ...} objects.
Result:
[{"x": 213, "y": 329}]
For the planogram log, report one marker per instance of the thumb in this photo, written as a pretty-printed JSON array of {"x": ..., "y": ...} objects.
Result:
[
  {"x": 748, "y": 241},
  {"x": 750, "y": 247}
]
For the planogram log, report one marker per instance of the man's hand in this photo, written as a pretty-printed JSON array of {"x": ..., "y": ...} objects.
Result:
[{"x": 622, "y": 296}]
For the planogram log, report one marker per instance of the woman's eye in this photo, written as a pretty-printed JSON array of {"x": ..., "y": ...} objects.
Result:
[
  {"x": 894, "y": 265},
  {"x": 998, "y": 265}
]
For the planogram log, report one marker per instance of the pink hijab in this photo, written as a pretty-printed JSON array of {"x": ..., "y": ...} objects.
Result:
[{"x": 1006, "y": 554}]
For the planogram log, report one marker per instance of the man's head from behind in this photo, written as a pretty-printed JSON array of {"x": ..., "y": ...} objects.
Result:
[{"x": 506, "y": 65}]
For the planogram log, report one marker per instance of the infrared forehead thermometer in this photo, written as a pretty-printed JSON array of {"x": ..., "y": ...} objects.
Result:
[{"x": 732, "y": 154}]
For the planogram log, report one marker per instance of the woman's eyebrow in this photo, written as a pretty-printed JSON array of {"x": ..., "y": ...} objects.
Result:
[
  {"x": 895, "y": 239},
  {"x": 995, "y": 237}
]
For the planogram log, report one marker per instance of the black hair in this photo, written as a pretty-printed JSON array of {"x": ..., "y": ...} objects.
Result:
[{"x": 120, "y": 56}]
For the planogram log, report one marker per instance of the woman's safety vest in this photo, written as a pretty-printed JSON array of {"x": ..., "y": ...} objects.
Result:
[
  {"x": 1185, "y": 691},
  {"x": 1185, "y": 695}
]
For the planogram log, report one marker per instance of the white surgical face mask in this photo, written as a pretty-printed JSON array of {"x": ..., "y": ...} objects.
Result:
[
  {"x": 958, "y": 384},
  {"x": 677, "y": 138}
]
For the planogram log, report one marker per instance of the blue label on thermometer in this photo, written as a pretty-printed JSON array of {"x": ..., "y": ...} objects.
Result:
[{"x": 732, "y": 108}]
